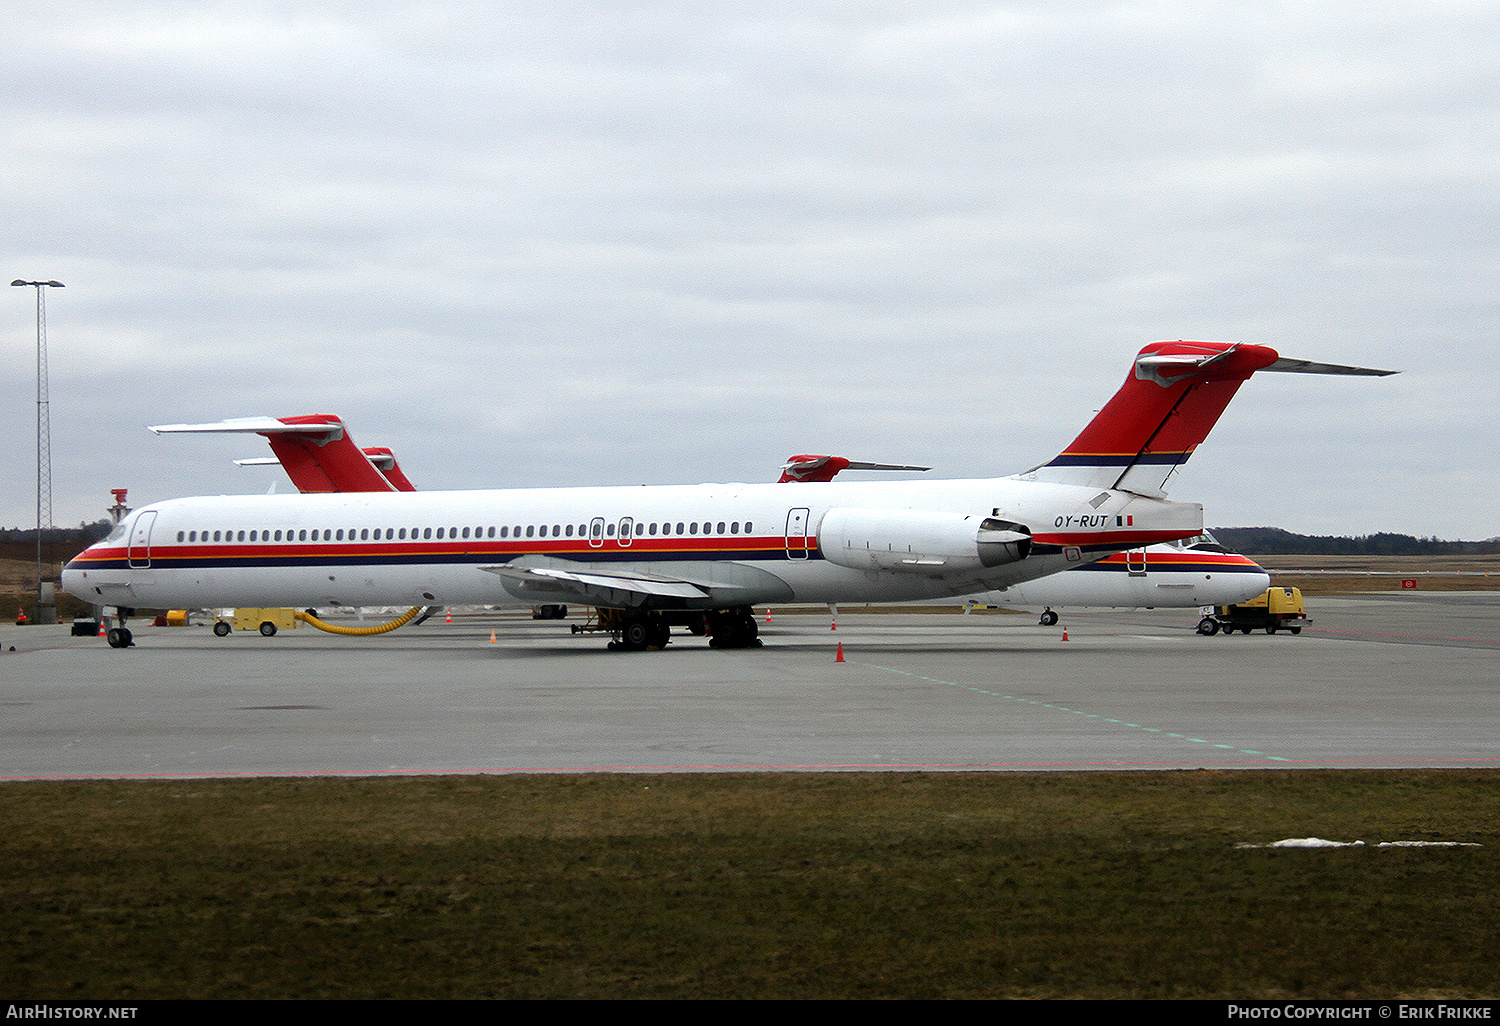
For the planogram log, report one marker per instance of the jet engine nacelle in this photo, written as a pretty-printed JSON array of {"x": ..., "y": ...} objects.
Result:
[{"x": 919, "y": 541}]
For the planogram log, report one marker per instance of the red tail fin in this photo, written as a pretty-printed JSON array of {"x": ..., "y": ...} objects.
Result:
[
  {"x": 324, "y": 458},
  {"x": 385, "y": 462},
  {"x": 1169, "y": 403},
  {"x": 316, "y": 452}
]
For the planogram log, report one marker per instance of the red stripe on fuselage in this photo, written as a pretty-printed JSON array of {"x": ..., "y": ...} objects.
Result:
[
  {"x": 1114, "y": 539},
  {"x": 1159, "y": 559}
]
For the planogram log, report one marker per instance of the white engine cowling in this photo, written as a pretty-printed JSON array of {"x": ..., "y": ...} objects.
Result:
[{"x": 919, "y": 541}]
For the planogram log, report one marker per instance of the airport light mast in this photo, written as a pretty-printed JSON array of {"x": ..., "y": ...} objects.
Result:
[{"x": 43, "y": 432}]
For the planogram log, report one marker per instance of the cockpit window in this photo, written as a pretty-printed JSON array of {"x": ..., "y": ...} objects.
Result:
[{"x": 1204, "y": 542}]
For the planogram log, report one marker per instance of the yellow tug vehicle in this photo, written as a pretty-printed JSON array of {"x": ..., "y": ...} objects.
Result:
[
  {"x": 1279, "y": 609},
  {"x": 269, "y": 621}
]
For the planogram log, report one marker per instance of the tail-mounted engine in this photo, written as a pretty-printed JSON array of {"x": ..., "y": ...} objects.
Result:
[{"x": 920, "y": 542}]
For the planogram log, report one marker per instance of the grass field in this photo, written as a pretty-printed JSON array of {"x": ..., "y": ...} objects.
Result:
[
  {"x": 756, "y": 885},
  {"x": 1333, "y": 575}
]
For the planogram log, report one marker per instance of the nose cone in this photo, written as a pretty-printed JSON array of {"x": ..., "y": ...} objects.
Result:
[
  {"x": 73, "y": 581},
  {"x": 1254, "y": 581}
]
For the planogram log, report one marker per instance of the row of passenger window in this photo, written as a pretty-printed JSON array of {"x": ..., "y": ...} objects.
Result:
[{"x": 600, "y": 530}]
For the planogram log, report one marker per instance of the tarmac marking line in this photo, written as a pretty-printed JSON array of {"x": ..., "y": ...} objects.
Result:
[{"x": 1075, "y": 712}]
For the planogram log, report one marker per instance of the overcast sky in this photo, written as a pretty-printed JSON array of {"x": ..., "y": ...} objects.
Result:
[{"x": 555, "y": 243}]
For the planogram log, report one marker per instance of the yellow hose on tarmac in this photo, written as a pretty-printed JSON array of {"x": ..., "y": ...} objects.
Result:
[{"x": 383, "y": 628}]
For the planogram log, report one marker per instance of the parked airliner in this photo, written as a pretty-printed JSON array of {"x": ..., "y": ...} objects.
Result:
[
  {"x": 319, "y": 455},
  {"x": 1190, "y": 572},
  {"x": 655, "y": 554}
]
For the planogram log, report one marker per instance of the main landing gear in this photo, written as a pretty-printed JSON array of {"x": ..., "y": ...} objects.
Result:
[
  {"x": 1048, "y": 618},
  {"x": 640, "y": 632},
  {"x": 632, "y": 630},
  {"x": 637, "y": 631},
  {"x": 732, "y": 628}
]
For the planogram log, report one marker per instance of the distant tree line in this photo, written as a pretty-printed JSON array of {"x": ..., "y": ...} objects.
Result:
[
  {"x": 1274, "y": 539},
  {"x": 82, "y": 535},
  {"x": 59, "y": 544}
]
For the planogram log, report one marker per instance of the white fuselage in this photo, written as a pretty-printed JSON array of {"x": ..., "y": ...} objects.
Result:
[
  {"x": 739, "y": 544},
  {"x": 1164, "y": 576}
]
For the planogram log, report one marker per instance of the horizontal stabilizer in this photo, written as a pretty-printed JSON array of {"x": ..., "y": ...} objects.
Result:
[
  {"x": 825, "y": 468},
  {"x": 1309, "y": 367},
  {"x": 255, "y": 425}
]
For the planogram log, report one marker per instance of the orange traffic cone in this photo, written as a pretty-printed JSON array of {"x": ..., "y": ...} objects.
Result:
[
  {"x": 102, "y": 632},
  {"x": 449, "y": 617},
  {"x": 768, "y": 614},
  {"x": 492, "y": 638},
  {"x": 1065, "y": 634},
  {"x": 840, "y": 657},
  {"x": 20, "y": 616}
]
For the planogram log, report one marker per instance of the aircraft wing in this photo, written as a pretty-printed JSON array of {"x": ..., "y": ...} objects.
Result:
[
  {"x": 695, "y": 585},
  {"x": 589, "y": 584}
]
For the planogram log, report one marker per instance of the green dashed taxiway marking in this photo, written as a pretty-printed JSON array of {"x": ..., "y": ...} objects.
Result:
[{"x": 1077, "y": 712}]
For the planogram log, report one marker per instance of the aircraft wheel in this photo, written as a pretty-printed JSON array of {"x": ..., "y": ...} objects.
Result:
[
  {"x": 117, "y": 638},
  {"x": 660, "y": 634},
  {"x": 1048, "y": 618},
  {"x": 222, "y": 628},
  {"x": 1208, "y": 626},
  {"x": 635, "y": 636},
  {"x": 726, "y": 633},
  {"x": 733, "y": 628},
  {"x": 698, "y": 627},
  {"x": 268, "y": 629}
]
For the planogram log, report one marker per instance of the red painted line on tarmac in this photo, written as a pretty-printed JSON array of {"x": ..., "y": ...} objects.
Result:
[
  {"x": 1408, "y": 637},
  {"x": 1281, "y": 763},
  {"x": 1307, "y": 629}
]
